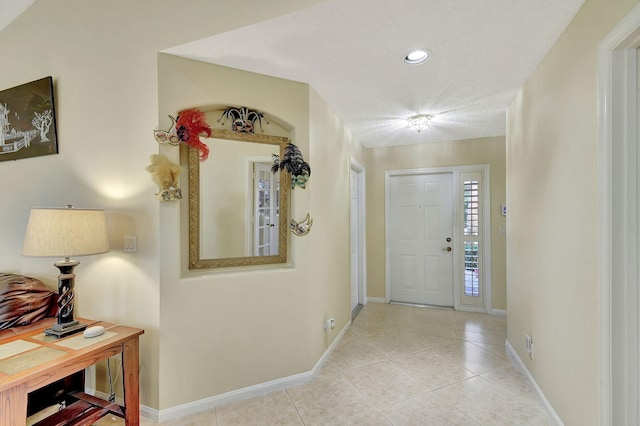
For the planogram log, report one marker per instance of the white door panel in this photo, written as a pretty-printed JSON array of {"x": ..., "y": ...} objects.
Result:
[
  {"x": 421, "y": 219},
  {"x": 266, "y": 211}
]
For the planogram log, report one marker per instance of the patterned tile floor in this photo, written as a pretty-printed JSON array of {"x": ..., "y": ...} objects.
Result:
[{"x": 401, "y": 365}]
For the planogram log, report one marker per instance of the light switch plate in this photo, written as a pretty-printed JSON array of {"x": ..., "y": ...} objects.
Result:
[{"x": 130, "y": 244}]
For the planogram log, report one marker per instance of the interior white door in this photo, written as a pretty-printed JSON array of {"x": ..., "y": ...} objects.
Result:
[
  {"x": 421, "y": 247},
  {"x": 354, "y": 239},
  {"x": 266, "y": 211}
]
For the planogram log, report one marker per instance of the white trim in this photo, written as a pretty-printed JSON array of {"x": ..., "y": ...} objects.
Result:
[
  {"x": 362, "y": 228},
  {"x": 205, "y": 404},
  {"x": 499, "y": 312},
  {"x": 514, "y": 356},
  {"x": 624, "y": 36},
  {"x": 604, "y": 231},
  {"x": 458, "y": 253},
  {"x": 472, "y": 308},
  {"x": 485, "y": 170},
  {"x": 486, "y": 195},
  {"x": 147, "y": 412},
  {"x": 240, "y": 394}
]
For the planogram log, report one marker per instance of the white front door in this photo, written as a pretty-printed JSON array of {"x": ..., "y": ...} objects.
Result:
[
  {"x": 354, "y": 239},
  {"x": 421, "y": 232}
]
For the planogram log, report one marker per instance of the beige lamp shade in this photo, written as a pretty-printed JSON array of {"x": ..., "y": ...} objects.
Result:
[{"x": 65, "y": 232}]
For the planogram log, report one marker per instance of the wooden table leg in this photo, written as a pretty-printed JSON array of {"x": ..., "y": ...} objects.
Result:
[
  {"x": 13, "y": 406},
  {"x": 130, "y": 372}
]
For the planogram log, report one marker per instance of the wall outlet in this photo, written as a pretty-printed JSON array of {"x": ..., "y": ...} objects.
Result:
[
  {"x": 329, "y": 324},
  {"x": 528, "y": 344}
]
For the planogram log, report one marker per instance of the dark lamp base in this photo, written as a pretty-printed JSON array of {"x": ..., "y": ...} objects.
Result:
[{"x": 65, "y": 329}]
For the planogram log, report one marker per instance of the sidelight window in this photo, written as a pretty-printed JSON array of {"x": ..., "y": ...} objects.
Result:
[{"x": 471, "y": 238}]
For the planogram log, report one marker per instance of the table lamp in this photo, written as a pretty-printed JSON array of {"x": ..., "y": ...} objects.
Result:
[{"x": 65, "y": 232}]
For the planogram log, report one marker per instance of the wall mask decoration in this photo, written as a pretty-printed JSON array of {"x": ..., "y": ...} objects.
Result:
[
  {"x": 293, "y": 163},
  {"x": 28, "y": 121},
  {"x": 301, "y": 228},
  {"x": 169, "y": 137},
  {"x": 243, "y": 119},
  {"x": 165, "y": 174},
  {"x": 187, "y": 128}
]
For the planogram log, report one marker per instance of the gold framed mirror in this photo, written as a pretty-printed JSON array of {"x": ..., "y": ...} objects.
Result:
[{"x": 238, "y": 208}]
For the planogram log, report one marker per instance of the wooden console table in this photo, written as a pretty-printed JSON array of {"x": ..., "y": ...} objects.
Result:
[{"x": 30, "y": 360}]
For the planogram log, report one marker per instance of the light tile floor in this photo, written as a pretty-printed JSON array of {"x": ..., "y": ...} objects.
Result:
[{"x": 401, "y": 365}]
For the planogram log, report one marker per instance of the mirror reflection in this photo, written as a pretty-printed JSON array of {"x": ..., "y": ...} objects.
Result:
[{"x": 237, "y": 205}]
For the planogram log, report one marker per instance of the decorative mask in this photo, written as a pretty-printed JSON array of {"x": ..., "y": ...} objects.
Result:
[
  {"x": 243, "y": 119},
  {"x": 294, "y": 164},
  {"x": 187, "y": 128},
  {"x": 301, "y": 228},
  {"x": 165, "y": 174}
]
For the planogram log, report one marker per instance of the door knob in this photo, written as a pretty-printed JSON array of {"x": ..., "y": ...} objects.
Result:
[{"x": 446, "y": 249}]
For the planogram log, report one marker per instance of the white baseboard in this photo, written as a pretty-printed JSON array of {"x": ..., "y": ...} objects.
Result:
[
  {"x": 377, "y": 299},
  {"x": 514, "y": 355},
  {"x": 239, "y": 394},
  {"x": 499, "y": 312},
  {"x": 471, "y": 308}
]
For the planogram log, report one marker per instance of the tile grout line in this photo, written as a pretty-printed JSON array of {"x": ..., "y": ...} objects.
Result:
[{"x": 294, "y": 406}]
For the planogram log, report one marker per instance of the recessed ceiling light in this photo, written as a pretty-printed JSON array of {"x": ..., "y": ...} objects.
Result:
[{"x": 416, "y": 56}]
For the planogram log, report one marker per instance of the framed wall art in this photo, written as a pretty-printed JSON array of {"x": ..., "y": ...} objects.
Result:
[{"x": 28, "y": 121}]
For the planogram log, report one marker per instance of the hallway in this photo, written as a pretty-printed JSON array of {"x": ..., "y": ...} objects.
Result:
[{"x": 402, "y": 365}]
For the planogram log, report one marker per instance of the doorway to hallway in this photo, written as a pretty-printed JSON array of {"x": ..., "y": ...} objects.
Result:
[{"x": 357, "y": 237}]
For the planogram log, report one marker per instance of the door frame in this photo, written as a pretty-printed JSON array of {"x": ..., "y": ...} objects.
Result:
[
  {"x": 362, "y": 228},
  {"x": 618, "y": 241},
  {"x": 458, "y": 207}
]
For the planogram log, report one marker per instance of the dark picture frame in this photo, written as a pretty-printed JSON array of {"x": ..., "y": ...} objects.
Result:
[{"x": 28, "y": 121}]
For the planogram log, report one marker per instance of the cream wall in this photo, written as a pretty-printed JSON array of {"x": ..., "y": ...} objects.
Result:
[
  {"x": 202, "y": 329},
  {"x": 103, "y": 57},
  {"x": 440, "y": 154},
  {"x": 255, "y": 325},
  {"x": 331, "y": 147},
  {"x": 552, "y": 181}
]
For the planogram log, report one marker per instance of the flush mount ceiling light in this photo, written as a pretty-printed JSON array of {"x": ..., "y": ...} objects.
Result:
[
  {"x": 419, "y": 122},
  {"x": 416, "y": 56}
]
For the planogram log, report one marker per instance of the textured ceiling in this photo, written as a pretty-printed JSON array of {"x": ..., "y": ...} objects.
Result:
[{"x": 351, "y": 51}]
